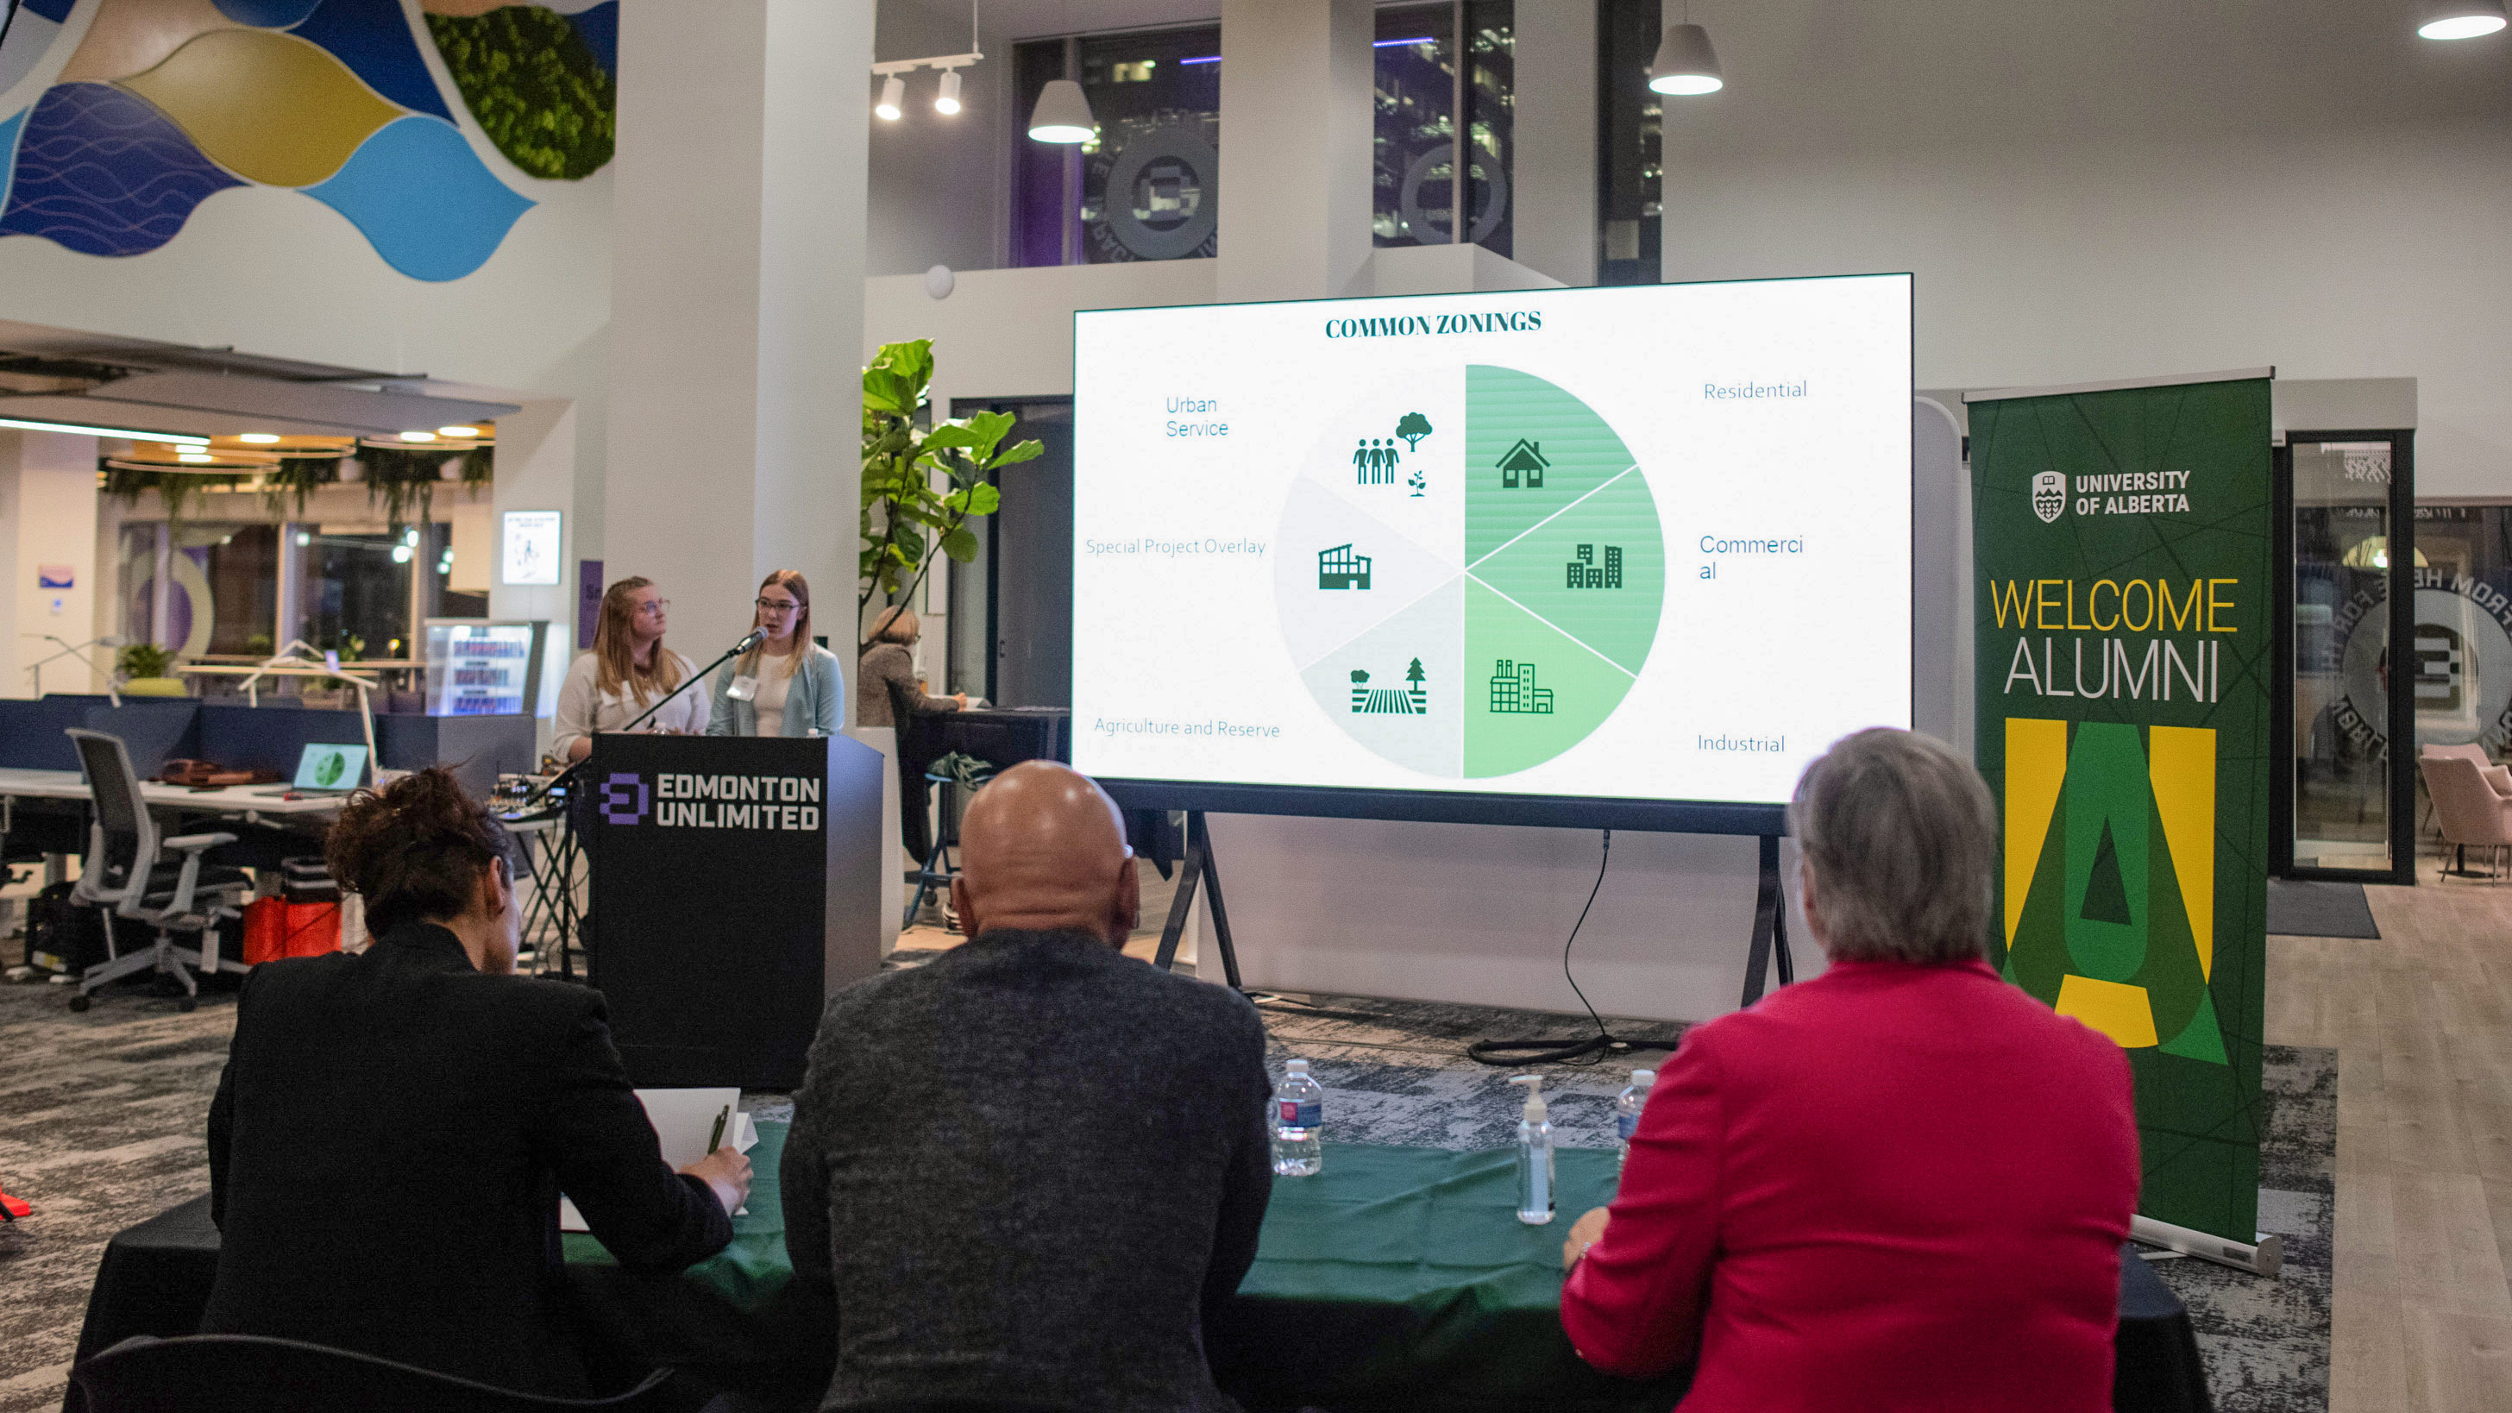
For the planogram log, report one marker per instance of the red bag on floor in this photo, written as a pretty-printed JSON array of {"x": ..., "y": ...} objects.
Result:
[
  {"x": 313, "y": 929},
  {"x": 265, "y": 931}
]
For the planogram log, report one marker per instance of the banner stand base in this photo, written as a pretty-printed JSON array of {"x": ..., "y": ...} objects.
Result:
[{"x": 2265, "y": 1259}]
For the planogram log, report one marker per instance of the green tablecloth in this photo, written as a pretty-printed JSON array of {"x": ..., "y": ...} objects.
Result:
[{"x": 1397, "y": 1277}]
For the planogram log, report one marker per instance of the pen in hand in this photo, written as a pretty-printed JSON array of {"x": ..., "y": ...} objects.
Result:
[{"x": 715, "y": 1139}]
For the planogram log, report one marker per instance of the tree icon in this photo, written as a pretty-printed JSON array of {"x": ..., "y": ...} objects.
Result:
[
  {"x": 1359, "y": 676},
  {"x": 1414, "y": 674},
  {"x": 1413, "y": 428}
]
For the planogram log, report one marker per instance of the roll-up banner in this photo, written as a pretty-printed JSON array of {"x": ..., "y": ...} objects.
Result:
[{"x": 2122, "y": 535}]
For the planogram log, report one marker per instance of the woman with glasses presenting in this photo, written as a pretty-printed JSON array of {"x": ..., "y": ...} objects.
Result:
[
  {"x": 786, "y": 686},
  {"x": 628, "y": 671}
]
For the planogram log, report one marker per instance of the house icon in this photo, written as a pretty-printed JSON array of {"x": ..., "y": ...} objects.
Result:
[{"x": 1525, "y": 459}]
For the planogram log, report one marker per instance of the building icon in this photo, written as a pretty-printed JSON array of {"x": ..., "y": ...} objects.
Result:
[
  {"x": 1526, "y": 459},
  {"x": 1339, "y": 568},
  {"x": 1514, "y": 693},
  {"x": 1583, "y": 573}
]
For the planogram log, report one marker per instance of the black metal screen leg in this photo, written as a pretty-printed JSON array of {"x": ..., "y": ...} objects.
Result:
[
  {"x": 1220, "y": 914},
  {"x": 1766, "y": 926},
  {"x": 1190, "y": 874}
]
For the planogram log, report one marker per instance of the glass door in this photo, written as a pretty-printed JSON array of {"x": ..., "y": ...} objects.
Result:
[{"x": 2343, "y": 806}]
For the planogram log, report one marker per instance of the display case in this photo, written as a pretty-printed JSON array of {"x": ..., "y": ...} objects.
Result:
[{"x": 486, "y": 667}]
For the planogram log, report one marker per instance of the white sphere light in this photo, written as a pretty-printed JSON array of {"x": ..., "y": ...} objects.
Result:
[
  {"x": 1686, "y": 65},
  {"x": 2461, "y": 19},
  {"x": 939, "y": 282}
]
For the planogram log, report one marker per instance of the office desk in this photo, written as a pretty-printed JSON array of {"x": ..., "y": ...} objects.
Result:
[{"x": 245, "y": 800}]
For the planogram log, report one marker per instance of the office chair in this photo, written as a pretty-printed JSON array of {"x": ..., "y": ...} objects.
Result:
[
  {"x": 128, "y": 870},
  {"x": 253, "y": 1374}
]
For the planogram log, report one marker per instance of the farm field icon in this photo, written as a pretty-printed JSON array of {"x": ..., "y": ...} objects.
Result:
[
  {"x": 1526, "y": 462},
  {"x": 1340, "y": 568},
  {"x": 1514, "y": 693},
  {"x": 1412, "y": 700}
]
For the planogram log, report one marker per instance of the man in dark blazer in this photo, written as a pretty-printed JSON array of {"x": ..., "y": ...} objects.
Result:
[
  {"x": 393, "y": 1128},
  {"x": 1026, "y": 1170}
]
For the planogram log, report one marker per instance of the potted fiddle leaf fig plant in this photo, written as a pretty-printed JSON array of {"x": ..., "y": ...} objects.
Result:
[{"x": 921, "y": 486}]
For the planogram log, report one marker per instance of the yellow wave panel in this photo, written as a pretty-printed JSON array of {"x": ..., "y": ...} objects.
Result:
[
  {"x": 2036, "y": 765},
  {"x": 2181, "y": 763},
  {"x": 130, "y": 35},
  {"x": 269, "y": 107}
]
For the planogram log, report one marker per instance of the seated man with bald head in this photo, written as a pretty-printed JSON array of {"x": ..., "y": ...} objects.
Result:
[{"x": 1028, "y": 1169}]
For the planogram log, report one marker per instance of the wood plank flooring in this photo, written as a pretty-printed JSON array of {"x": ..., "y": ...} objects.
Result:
[{"x": 2422, "y": 1022}]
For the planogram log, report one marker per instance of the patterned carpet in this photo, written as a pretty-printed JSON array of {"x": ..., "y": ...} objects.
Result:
[{"x": 101, "y": 1116}]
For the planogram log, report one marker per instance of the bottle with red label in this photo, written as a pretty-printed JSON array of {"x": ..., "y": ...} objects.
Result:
[{"x": 1296, "y": 1114}]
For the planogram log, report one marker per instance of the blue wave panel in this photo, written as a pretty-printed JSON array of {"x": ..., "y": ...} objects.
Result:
[
  {"x": 267, "y": 14},
  {"x": 57, "y": 11},
  {"x": 8, "y": 151},
  {"x": 423, "y": 200},
  {"x": 598, "y": 27},
  {"x": 373, "y": 38},
  {"x": 103, "y": 173}
]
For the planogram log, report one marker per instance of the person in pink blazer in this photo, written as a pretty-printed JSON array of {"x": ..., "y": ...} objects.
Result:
[{"x": 1902, "y": 1184}]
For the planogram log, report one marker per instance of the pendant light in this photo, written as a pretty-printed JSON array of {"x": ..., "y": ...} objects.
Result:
[
  {"x": 2460, "y": 19},
  {"x": 893, "y": 93},
  {"x": 1686, "y": 64},
  {"x": 1063, "y": 114}
]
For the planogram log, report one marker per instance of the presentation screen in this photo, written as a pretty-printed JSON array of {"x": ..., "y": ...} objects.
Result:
[{"x": 1627, "y": 557}]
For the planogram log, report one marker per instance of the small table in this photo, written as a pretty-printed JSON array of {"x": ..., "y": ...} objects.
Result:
[{"x": 1399, "y": 1276}]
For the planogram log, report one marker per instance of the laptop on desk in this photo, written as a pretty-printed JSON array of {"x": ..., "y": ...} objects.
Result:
[{"x": 324, "y": 768}]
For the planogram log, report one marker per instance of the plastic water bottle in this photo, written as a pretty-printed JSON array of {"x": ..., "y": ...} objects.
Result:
[
  {"x": 1299, "y": 1121},
  {"x": 1535, "y": 1155},
  {"x": 1627, "y": 1107}
]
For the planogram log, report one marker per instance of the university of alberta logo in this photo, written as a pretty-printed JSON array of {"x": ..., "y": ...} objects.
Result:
[
  {"x": 624, "y": 798},
  {"x": 2049, "y": 495}
]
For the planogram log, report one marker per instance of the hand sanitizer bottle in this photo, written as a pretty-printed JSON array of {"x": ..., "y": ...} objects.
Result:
[{"x": 1535, "y": 1155}]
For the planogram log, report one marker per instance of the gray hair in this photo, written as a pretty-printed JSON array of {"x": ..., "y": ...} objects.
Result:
[{"x": 1901, "y": 836}]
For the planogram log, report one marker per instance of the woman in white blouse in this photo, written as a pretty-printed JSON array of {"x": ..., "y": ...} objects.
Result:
[
  {"x": 628, "y": 671},
  {"x": 786, "y": 686}
]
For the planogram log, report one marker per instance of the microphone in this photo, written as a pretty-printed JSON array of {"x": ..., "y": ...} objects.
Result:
[{"x": 757, "y": 636}]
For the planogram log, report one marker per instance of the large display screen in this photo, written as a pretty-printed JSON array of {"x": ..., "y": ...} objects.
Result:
[{"x": 1623, "y": 556}]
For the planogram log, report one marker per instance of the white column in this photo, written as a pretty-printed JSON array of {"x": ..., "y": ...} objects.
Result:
[
  {"x": 1553, "y": 169},
  {"x": 47, "y": 521},
  {"x": 1295, "y": 149},
  {"x": 737, "y": 305}
]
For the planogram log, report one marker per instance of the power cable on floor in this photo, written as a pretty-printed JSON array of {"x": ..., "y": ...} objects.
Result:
[{"x": 1586, "y": 1051}]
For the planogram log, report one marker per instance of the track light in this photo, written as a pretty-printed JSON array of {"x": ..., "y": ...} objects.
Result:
[
  {"x": 947, "y": 101},
  {"x": 1686, "y": 64},
  {"x": 2460, "y": 19},
  {"x": 893, "y": 93},
  {"x": 1063, "y": 114}
]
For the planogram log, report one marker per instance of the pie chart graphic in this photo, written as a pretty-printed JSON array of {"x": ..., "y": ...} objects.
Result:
[{"x": 1470, "y": 571}]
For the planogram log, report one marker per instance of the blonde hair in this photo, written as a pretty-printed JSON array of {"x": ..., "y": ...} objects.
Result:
[
  {"x": 615, "y": 647},
  {"x": 792, "y": 582},
  {"x": 897, "y": 624},
  {"x": 1901, "y": 836}
]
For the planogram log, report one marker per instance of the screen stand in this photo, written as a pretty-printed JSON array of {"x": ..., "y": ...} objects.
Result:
[
  {"x": 1198, "y": 869},
  {"x": 1770, "y": 927}
]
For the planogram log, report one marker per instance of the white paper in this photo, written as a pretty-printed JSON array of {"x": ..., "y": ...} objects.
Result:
[{"x": 682, "y": 1119}]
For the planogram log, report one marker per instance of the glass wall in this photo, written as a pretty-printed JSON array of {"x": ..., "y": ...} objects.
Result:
[
  {"x": 354, "y": 591},
  {"x": 1143, "y": 188},
  {"x": 220, "y": 592},
  {"x": 2344, "y": 787},
  {"x": 1630, "y": 158},
  {"x": 2463, "y": 650},
  {"x": 1414, "y": 146}
]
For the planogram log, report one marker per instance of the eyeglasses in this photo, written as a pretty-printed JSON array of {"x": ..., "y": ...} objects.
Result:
[
  {"x": 654, "y": 607},
  {"x": 777, "y": 605}
]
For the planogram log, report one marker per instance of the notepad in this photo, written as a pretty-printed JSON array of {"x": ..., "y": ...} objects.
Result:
[{"x": 682, "y": 1119}]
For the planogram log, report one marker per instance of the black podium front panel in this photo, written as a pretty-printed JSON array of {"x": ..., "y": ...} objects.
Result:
[{"x": 736, "y": 885}]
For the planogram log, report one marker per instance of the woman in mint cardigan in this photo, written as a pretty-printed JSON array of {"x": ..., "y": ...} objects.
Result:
[{"x": 786, "y": 686}]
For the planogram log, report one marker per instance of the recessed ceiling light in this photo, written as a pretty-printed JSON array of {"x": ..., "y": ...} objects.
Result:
[
  {"x": 457, "y": 431},
  {"x": 418, "y": 436},
  {"x": 2462, "y": 19},
  {"x": 194, "y": 456},
  {"x": 258, "y": 438}
]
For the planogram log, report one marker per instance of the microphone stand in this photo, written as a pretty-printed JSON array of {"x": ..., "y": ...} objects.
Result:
[{"x": 558, "y": 878}]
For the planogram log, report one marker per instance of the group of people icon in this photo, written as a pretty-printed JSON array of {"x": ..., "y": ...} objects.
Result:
[{"x": 1375, "y": 459}]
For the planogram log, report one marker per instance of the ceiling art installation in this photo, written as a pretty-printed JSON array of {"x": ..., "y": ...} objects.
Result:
[{"x": 165, "y": 103}]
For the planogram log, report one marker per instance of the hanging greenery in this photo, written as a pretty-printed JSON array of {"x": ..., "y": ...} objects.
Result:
[
  {"x": 128, "y": 483},
  {"x": 402, "y": 480},
  {"x": 398, "y": 481},
  {"x": 286, "y": 487}
]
